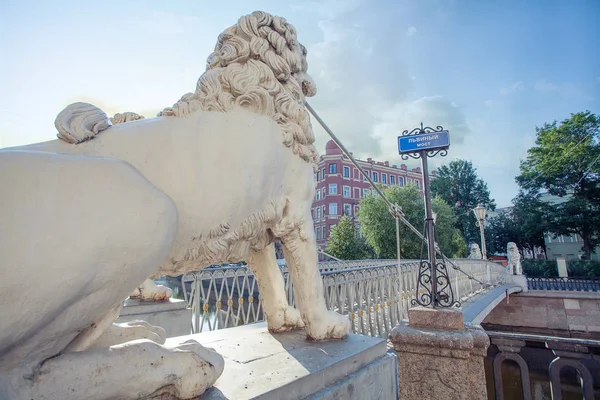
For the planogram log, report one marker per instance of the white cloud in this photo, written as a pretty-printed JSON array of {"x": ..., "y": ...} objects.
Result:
[
  {"x": 411, "y": 31},
  {"x": 514, "y": 88}
]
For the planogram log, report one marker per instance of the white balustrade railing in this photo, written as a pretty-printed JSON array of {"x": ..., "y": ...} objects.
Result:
[{"x": 374, "y": 294}]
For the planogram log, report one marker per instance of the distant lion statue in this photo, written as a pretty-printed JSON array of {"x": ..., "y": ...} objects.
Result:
[
  {"x": 475, "y": 252},
  {"x": 216, "y": 178},
  {"x": 514, "y": 259}
]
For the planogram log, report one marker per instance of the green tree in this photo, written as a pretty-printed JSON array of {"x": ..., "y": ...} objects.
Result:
[
  {"x": 458, "y": 184},
  {"x": 449, "y": 238},
  {"x": 345, "y": 244},
  {"x": 379, "y": 227},
  {"x": 529, "y": 215},
  {"x": 499, "y": 231},
  {"x": 565, "y": 162}
]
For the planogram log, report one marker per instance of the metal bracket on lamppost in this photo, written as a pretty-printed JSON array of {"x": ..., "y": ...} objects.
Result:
[{"x": 433, "y": 284}]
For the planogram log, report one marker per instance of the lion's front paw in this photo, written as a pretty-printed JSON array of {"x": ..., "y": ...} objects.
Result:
[
  {"x": 285, "y": 320},
  {"x": 328, "y": 325},
  {"x": 119, "y": 333},
  {"x": 201, "y": 367}
]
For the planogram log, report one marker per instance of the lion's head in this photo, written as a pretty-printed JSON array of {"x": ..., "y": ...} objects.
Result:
[{"x": 258, "y": 64}]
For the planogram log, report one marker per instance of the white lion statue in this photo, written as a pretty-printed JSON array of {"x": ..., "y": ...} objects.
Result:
[
  {"x": 216, "y": 178},
  {"x": 514, "y": 259},
  {"x": 475, "y": 252}
]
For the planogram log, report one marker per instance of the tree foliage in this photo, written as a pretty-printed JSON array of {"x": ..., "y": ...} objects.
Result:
[
  {"x": 565, "y": 162},
  {"x": 458, "y": 184},
  {"x": 379, "y": 227},
  {"x": 345, "y": 244},
  {"x": 501, "y": 230},
  {"x": 525, "y": 225}
]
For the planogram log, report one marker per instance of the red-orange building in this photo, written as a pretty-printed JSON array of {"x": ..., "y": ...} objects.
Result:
[{"x": 340, "y": 186}]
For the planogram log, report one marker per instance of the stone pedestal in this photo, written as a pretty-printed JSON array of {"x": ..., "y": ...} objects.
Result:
[
  {"x": 520, "y": 280},
  {"x": 286, "y": 366},
  {"x": 439, "y": 357},
  {"x": 172, "y": 315}
]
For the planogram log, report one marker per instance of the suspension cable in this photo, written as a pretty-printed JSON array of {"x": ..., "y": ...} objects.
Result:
[{"x": 393, "y": 208}]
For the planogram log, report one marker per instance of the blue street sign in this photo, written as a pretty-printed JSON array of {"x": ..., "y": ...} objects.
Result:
[{"x": 424, "y": 141}]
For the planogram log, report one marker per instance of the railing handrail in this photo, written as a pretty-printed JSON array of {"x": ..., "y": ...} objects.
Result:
[{"x": 375, "y": 294}]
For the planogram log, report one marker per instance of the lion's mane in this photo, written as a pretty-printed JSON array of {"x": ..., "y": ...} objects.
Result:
[{"x": 254, "y": 67}]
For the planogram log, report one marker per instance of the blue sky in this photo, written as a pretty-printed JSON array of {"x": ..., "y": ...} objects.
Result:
[{"x": 489, "y": 71}]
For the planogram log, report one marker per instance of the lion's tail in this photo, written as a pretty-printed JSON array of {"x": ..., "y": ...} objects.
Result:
[{"x": 80, "y": 122}]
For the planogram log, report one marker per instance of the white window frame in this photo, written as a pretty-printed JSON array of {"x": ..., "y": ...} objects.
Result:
[
  {"x": 333, "y": 207},
  {"x": 330, "y": 186},
  {"x": 344, "y": 169},
  {"x": 344, "y": 188},
  {"x": 384, "y": 178}
]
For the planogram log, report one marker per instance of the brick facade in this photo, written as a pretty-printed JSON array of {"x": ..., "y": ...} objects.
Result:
[{"x": 339, "y": 187}]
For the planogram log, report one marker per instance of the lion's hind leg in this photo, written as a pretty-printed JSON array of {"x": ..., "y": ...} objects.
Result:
[
  {"x": 300, "y": 250},
  {"x": 279, "y": 314}
]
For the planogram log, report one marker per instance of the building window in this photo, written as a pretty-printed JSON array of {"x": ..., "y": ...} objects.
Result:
[
  {"x": 331, "y": 228},
  {"x": 318, "y": 194},
  {"x": 366, "y": 192},
  {"x": 356, "y": 174},
  {"x": 400, "y": 181},
  {"x": 417, "y": 183},
  {"x": 332, "y": 169},
  {"x": 368, "y": 174},
  {"x": 357, "y": 193},
  {"x": 392, "y": 180},
  {"x": 346, "y": 191},
  {"x": 332, "y": 208},
  {"x": 374, "y": 176},
  {"x": 318, "y": 210},
  {"x": 346, "y": 172},
  {"x": 323, "y": 193},
  {"x": 333, "y": 188},
  {"x": 323, "y": 173},
  {"x": 384, "y": 179},
  {"x": 318, "y": 176},
  {"x": 318, "y": 233},
  {"x": 347, "y": 210}
]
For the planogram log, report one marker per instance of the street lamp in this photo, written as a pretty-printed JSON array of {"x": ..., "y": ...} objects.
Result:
[{"x": 480, "y": 215}]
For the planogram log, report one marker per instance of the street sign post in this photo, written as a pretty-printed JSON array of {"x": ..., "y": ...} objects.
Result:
[{"x": 433, "y": 284}]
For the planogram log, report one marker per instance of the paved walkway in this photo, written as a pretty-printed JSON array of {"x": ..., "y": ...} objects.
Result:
[{"x": 478, "y": 307}]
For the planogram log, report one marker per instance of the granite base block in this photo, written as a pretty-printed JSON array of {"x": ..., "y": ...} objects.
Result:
[
  {"x": 286, "y": 366},
  {"x": 437, "y": 362}
]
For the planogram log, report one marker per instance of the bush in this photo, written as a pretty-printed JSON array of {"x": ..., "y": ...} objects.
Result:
[
  {"x": 539, "y": 268},
  {"x": 548, "y": 269},
  {"x": 581, "y": 269}
]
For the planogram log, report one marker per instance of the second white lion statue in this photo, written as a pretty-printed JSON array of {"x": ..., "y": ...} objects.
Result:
[
  {"x": 216, "y": 178},
  {"x": 514, "y": 259},
  {"x": 475, "y": 252}
]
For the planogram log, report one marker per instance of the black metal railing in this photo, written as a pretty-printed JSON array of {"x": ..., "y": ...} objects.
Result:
[
  {"x": 541, "y": 367},
  {"x": 586, "y": 284}
]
